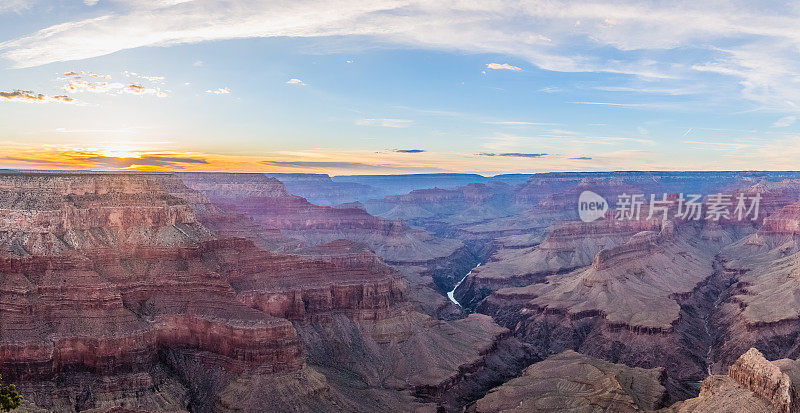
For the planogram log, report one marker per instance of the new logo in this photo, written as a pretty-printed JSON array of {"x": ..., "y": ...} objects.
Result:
[{"x": 591, "y": 206}]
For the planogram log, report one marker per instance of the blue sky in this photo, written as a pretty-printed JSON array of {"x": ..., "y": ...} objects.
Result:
[{"x": 398, "y": 86}]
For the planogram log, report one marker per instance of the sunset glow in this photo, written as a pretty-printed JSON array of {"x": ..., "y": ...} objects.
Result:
[{"x": 353, "y": 88}]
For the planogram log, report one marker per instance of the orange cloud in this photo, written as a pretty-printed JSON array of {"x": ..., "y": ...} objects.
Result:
[
  {"x": 31, "y": 97},
  {"x": 133, "y": 156}
]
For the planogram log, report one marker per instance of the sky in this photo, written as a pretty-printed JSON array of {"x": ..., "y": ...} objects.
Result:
[{"x": 399, "y": 86}]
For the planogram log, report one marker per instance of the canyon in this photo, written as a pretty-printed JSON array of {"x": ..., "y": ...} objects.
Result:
[{"x": 201, "y": 292}]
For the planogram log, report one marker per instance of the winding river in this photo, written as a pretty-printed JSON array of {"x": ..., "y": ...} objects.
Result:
[{"x": 450, "y": 293}]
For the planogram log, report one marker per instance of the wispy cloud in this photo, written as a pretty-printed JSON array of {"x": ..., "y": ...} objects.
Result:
[
  {"x": 647, "y": 90},
  {"x": 520, "y": 123},
  {"x": 504, "y": 66},
  {"x": 95, "y": 131},
  {"x": 28, "y": 96},
  {"x": 755, "y": 45},
  {"x": 551, "y": 89},
  {"x": 219, "y": 91},
  {"x": 513, "y": 154},
  {"x": 504, "y": 27},
  {"x": 408, "y": 150},
  {"x": 720, "y": 146},
  {"x": 317, "y": 164},
  {"x": 83, "y": 158},
  {"x": 385, "y": 122},
  {"x": 616, "y": 140},
  {"x": 349, "y": 166},
  {"x": 622, "y": 105},
  {"x": 296, "y": 82},
  {"x": 151, "y": 79},
  {"x": 784, "y": 122},
  {"x": 15, "y": 5},
  {"x": 161, "y": 161},
  {"x": 103, "y": 84},
  {"x": 141, "y": 90}
]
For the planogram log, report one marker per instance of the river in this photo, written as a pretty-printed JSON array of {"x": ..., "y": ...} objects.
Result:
[{"x": 450, "y": 293}]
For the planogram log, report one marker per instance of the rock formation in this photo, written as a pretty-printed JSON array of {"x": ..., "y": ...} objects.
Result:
[
  {"x": 102, "y": 275},
  {"x": 572, "y": 382},
  {"x": 222, "y": 292},
  {"x": 753, "y": 385},
  {"x": 111, "y": 284},
  {"x": 432, "y": 263}
]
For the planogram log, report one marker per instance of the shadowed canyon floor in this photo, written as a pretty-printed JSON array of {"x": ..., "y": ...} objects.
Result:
[{"x": 227, "y": 292}]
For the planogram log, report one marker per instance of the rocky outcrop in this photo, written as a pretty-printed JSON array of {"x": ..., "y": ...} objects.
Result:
[
  {"x": 753, "y": 384},
  {"x": 722, "y": 394},
  {"x": 574, "y": 382},
  {"x": 320, "y": 189},
  {"x": 567, "y": 246},
  {"x": 475, "y": 202},
  {"x": 785, "y": 221},
  {"x": 766, "y": 268},
  {"x": 413, "y": 357},
  {"x": 570, "y": 382},
  {"x": 639, "y": 303},
  {"x": 766, "y": 380}
]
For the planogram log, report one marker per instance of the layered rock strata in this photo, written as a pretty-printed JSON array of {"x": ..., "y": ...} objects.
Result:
[{"x": 572, "y": 382}]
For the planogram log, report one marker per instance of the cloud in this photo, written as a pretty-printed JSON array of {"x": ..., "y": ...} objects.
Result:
[
  {"x": 198, "y": 63},
  {"x": 146, "y": 160},
  {"x": 504, "y": 66},
  {"x": 581, "y": 158},
  {"x": 387, "y": 123},
  {"x": 551, "y": 89},
  {"x": 408, "y": 150},
  {"x": 94, "y": 131},
  {"x": 320, "y": 164},
  {"x": 31, "y": 161},
  {"x": 294, "y": 81},
  {"x": 720, "y": 146},
  {"x": 91, "y": 159},
  {"x": 77, "y": 86},
  {"x": 81, "y": 75},
  {"x": 514, "y": 154},
  {"x": 521, "y": 123},
  {"x": 151, "y": 79},
  {"x": 646, "y": 90},
  {"x": 615, "y": 140},
  {"x": 622, "y": 105},
  {"x": 15, "y": 5},
  {"x": 220, "y": 91},
  {"x": 90, "y": 2},
  {"x": 343, "y": 166},
  {"x": 137, "y": 89},
  {"x": 784, "y": 122},
  {"x": 31, "y": 97},
  {"x": 733, "y": 47},
  {"x": 102, "y": 84}
]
